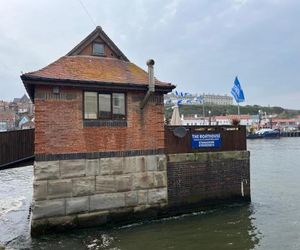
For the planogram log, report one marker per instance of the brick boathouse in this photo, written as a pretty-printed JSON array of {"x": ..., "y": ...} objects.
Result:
[{"x": 102, "y": 152}]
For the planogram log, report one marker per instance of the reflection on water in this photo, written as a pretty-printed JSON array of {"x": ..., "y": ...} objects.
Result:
[
  {"x": 271, "y": 221},
  {"x": 227, "y": 228}
]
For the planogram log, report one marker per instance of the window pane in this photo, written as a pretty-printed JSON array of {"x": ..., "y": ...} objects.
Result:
[
  {"x": 104, "y": 106},
  {"x": 90, "y": 105},
  {"x": 98, "y": 49},
  {"x": 119, "y": 105}
]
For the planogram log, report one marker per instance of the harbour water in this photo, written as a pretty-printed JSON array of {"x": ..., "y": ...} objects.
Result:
[{"x": 270, "y": 221}]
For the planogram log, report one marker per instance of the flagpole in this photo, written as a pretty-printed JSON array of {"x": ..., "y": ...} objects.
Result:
[{"x": 237, "y": 93}]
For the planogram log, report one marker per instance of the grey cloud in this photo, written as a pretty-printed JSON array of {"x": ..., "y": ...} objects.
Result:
[{"x": 198, "y": 45}]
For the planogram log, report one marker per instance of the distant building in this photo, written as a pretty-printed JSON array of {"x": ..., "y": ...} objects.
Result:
[
  {"x": 195, "y": 99},
  {"x": 191, "y": 120},
  {"x": 23, "y": 120},
  {"x": 285, "y": 124},
  {"x": 23, "y": 105},
  {"x": 16, "y": 113},
  {"x": 3, "y": 126},
  {"x": 4, "y": 105},
  {"x": 217, "y": 99},
  {"x": 23, "y": 99},
  {"x": 27, "y": 125},
  {"x": 196, "y": 120},
  {"x": 7, "y": 120}
]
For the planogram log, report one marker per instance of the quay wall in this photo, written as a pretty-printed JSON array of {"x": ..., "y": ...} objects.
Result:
[
  {"x": 207, "y": 178},
  {"x": 290, "y": 134},
  {"x": 91, "y": 192}
]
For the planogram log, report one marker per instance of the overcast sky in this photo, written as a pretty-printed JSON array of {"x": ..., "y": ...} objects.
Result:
[{"x": 199, "y": 45}]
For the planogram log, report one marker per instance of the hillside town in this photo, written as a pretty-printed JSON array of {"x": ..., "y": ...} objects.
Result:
[
  {"x": 196, "y": 99},
  {"x": 251, "y": 121},
  {"x": 17, "y": 114}
]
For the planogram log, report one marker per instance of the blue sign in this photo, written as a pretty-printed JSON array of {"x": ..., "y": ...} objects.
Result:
[{"x": 206, "y": 141}]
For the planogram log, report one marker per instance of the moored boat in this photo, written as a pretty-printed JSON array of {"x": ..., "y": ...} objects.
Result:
[{"x": 266, "y": 133}]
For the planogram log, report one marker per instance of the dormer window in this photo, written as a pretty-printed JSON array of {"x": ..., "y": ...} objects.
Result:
[{"x": 98, "y": 49}]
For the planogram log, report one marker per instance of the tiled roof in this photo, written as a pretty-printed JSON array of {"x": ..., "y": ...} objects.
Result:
[
  {"x": 96, "y": 69},
  {"x": 7, "y": 116}
]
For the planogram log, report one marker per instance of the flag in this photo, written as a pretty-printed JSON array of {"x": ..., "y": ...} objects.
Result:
[
  {"x": 199, "y": 99},
  {"x": 179, "y": 102},
  {"x": 237, "y": 91},
  {"x": 176, "y": 93}
]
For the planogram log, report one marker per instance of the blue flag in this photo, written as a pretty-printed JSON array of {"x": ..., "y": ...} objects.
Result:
[
  {"x": 237, "y": 91},
  {"x": 199, "y": 99}
]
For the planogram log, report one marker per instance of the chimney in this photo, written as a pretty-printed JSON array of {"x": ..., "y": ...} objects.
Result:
[{"x": 151, "y": 83}]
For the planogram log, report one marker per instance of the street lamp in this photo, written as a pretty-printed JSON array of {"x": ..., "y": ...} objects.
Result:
[{"x": 209, "y": 117}]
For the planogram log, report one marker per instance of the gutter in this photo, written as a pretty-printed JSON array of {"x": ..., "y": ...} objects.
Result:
[{"x": 30, "y": 81}]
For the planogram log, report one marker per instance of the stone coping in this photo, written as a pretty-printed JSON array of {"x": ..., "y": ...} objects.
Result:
[{"x": 208, "y": 156}]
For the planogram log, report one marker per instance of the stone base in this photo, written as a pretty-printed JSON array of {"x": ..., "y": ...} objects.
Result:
[
  {"x": 109, "y": 219},
  {"x": 82, "y": 192},
  {"x": 105, "y": 219},
  {"x": 107, "y": 191}
]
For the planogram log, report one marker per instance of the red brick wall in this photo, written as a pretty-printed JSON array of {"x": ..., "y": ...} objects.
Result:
[
  {"x": 209, "y": 182},
  {"x": 59, "y": 125}
]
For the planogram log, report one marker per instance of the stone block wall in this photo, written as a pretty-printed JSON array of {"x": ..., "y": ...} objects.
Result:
[
  {"x": 208, "y": 178},
  {"x": 89, "y": 191}
]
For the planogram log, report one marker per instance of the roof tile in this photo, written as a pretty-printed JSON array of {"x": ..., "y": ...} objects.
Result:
[{"x": 92, "y": 68}]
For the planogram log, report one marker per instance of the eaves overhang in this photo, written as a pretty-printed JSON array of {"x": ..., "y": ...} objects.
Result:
[{"x": 31, "y": 81}]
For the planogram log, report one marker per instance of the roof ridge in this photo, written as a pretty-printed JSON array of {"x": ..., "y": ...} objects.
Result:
[{"x": 91, "y": 37}]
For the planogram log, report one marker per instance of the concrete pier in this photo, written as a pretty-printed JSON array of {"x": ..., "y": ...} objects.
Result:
[{"x": 290, "y": 134}]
